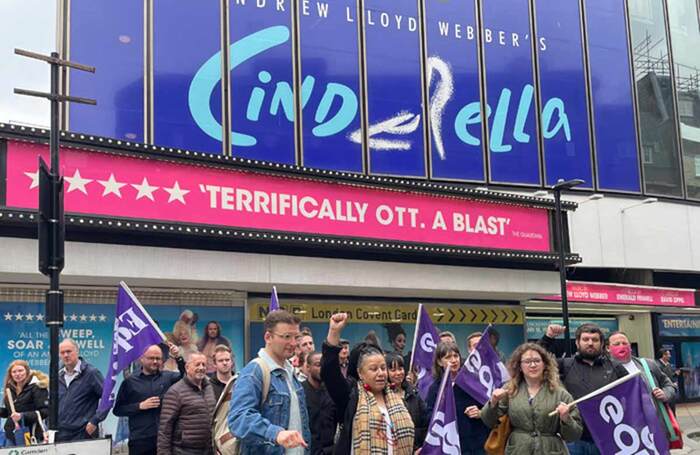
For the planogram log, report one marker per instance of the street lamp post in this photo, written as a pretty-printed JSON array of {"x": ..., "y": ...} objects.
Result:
[{"x": 557, "y": 189}]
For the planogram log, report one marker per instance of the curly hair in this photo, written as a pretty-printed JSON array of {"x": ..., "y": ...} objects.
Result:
[{"x": 550, "y": 373}]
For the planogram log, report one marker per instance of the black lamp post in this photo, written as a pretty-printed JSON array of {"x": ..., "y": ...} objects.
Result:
[{"x": 557, "y": 189}]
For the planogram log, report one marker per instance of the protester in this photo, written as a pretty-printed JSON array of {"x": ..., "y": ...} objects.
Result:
[
  {"x": 79, "y": 392},
  {"x": 225, "y": 366},
  {"x": 343, "y": 356},
  {"x": 187, "y": 411},
  {"x": 29, "y": 394},
  {"x": 413, "y": 402},
  {"x": 305, "y": 345},
  {"x": 472, "y": 431},
  {"x": 494, "y": 339},
  {"x": 527, "y": 399},
  {"x": 140, "y": 396},
  {"x": 397, "y": 337},
  {"x": 281, "y": 419},
  {"x": 589, "y": 370},
  {"x": 447, "y": 337},
  {"x": 208, "y": 343},
  {"x": 375, "y": 418},
  {"x": 322, "y": 415}
]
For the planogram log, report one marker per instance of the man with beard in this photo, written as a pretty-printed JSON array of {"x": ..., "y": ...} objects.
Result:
[
  {"x": 589, "y": 370},
  {"x": 322, "y": 417}
]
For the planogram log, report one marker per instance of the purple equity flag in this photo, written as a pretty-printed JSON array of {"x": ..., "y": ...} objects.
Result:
[
  {"x": 622, "y": 419},
  {"x": 483, "y": 371},
  {"x": 443, "y": 436},
  {"x": 425, "y": 340},
  {"x": 274, "y": 301},
  {"x": 134, "y": 332}
]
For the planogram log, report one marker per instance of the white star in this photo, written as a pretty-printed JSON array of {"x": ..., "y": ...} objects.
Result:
[
  {"x": 145, "y": 190},
  {"x": 83, "y": 318},
  {"x": 40, "y": 317},
  {"x": 29, "y": 317},
  {"x": 35, "y": 179},
  {"x": 103, "y": 318},
  {"x": 19, "y": 316},
  {"x": 93, "y": 318},
  {"x": 77, "y": 182},
  {"x": 73, "y": 317},
  {"x": 176, "y": 193},
  {"x": 111, "y": 186},
  {"x": 8, "y": 316}
]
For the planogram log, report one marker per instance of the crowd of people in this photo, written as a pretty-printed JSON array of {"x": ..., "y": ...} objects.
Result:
[{"x": 295, "y": 399}]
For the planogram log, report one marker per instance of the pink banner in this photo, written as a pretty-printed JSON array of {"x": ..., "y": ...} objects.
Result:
[
  {"x": 627, "y": 295},
  {"x": 112, "y": 185}
]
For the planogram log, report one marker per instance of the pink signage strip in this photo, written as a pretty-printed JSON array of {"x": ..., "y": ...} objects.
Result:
[
  {"x": 627, "y": 295},
  {"x": 113, "y": 185}
]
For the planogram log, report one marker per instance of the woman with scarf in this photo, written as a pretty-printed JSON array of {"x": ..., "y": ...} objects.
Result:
[{"x": 373, "y": 417}]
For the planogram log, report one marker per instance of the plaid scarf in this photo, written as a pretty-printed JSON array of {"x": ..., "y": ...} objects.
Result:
[{"x": 369, "y": 427}]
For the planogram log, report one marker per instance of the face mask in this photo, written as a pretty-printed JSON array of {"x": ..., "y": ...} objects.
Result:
[{"x": 621, "y": 352}]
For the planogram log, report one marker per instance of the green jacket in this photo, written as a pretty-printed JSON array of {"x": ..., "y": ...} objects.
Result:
[{"x": 533, "y": 431}]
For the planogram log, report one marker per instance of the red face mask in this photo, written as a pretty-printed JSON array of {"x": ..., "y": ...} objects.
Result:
[{"x": 621, "y": 352}]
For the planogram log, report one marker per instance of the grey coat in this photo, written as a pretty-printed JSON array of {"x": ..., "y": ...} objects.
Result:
[
  {"x": 662, "y": 381},
  {"x": 533, "y": 432}
]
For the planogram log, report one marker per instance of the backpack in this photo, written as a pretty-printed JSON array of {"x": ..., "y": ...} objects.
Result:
[{"x": 224, "y": 442}]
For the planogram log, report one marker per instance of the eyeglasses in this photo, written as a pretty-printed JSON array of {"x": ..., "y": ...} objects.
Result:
[
  {"x": 531, "y": 361},
  {"x": 287, "y": 337}
]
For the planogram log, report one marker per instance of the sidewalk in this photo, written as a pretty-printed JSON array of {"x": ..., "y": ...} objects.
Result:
[{"x": 688, "y": 415}]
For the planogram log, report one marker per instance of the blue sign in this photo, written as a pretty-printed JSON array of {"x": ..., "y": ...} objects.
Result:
[
  {"x": 262, "y": 94},
  {"x": 510, "y": 92},
  {"x": 454, "y": 110},
  {"x": 567, "y": 148},
  {"x": 672, "y": 325},
  {"x": 175, "y": 61},
  {"x": 109, "y": 36},
  {"x": 611, "y": 90},
  {"x": 394, "y": 88},
  {"x": 328, "y": 42}
]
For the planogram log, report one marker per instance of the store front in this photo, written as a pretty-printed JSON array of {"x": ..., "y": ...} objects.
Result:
[{"x": 680, "y": 333}]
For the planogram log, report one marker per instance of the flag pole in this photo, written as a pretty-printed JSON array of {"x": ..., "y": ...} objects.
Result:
[
  {"x": 145, "y": 313},
  {"x": 605, "y": 388},
  {"x": 415, "y": 336}
]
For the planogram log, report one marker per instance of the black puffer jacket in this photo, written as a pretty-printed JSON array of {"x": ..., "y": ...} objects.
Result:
[
  {"x": 33, "y": 397},
  {"x": 419, "y": 413}
]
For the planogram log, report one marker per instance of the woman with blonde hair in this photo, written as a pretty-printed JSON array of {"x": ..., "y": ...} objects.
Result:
[
  {"x": 29, "y": 394},
  {"x": 528, "y": 399},
  {"x": 182, "y": 338}
]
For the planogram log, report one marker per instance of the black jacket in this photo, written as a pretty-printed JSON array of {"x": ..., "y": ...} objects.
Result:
[
  {"x": 143, "y": 424},
  {"x": 343, "y": 392},
  {"x": 419, "y": 413},
  {"x": 77, "y": 404},
  {"x": 217, "y": 385},
  {"x": 472, "y": 432},
  {"x": 34, "y": 397},
  {"x": 581, "y": 378},
  {"x": 322, "y": 418}
]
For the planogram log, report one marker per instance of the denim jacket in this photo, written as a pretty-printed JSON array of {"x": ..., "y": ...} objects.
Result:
[{"x": 258, "y": 428}]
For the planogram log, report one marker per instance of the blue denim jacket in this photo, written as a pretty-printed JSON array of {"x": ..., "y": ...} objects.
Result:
[{"x": 258, "y": 429}]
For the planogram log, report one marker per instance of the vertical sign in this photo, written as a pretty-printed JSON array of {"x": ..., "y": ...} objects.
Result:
[
  {"x": 187, "y": 75},
  {"x": 394, "y": 88},
  {"x": 611, "y": 90},
  {"x": 262, "y": 98},
  {"x": 328, "y": 45},
  {"x": 109, "y": 36},
  {"x": 567, "y": 148},
  {"x": 453, "y": 87},
  {"x": 514, "y": 154}
]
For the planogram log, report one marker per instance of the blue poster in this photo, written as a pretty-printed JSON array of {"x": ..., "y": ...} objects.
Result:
[
  {"x": 567, "y": 148},
  {"x": 514, "y": 152},
  {"x": 454, "y": 91},
  {"x": 24, "y": 335},
  {"x": 262, "y": 94},
  {"x": 109, "y": 36},
  {"x": 187, "y": 77},
  {"x": 611, "y": 90},
  {"x": 328, "y": 42},
  {"x": 394, "y": 88},
  {"x": 670, "y": 325}
]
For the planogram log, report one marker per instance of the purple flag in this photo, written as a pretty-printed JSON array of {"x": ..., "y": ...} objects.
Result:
[
  {"x": 483, "y": 371},
  {"x": 443, "y": 435},
  {"x": 425, "y": 340},
  {"x": 274, "y": 301},
  {"x": 622, "y": 419},
  {"x": 134, "y": 332}
]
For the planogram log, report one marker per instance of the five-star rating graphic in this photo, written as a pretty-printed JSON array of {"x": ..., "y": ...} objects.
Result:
[
  {"x": 39, "y": 317},
  {"x": 114, "y": 187}
]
